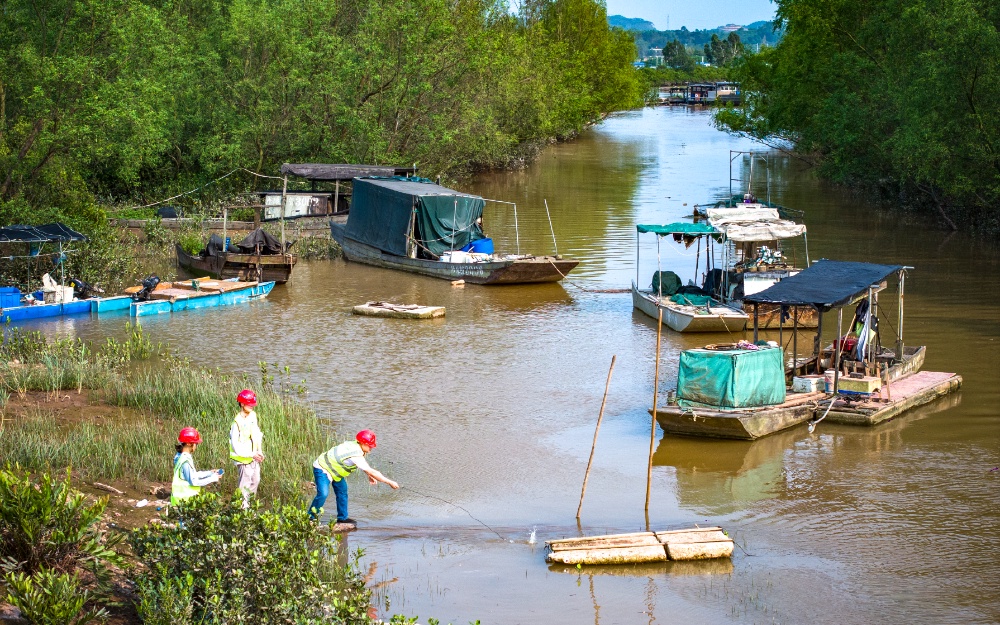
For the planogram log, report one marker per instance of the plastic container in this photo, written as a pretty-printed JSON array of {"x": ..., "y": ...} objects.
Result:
[
  {"x": 480, "y": 246},
  {"x": 10, "y": 297},
  {"x": 808, "y": 383},
  {"x": 828, "y": 380}
]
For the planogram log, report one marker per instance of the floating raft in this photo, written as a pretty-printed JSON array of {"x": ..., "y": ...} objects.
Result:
[
  {"x": 906, "y": 393},
  {"x": 699, "y": 543},
  {"x": 399, "y": 311}
]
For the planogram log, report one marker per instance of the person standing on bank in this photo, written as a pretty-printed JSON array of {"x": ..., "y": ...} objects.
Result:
[
  {"x": 335, "y": 465},
  {"x": 245, "y": 446},
  {"x": 188, "y": 481}
]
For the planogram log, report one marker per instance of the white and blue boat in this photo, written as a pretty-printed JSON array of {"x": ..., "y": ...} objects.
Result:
[{"x": 178, "y": 299}]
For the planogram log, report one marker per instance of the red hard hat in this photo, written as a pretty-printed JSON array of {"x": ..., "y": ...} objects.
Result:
[
  {"x": 247, "y": 398},
  {"x": 189, "y": 435},
  {"x": 367, "y": 437}
]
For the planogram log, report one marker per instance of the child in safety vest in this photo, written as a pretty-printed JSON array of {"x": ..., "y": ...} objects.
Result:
[
  {"x": 245, "y": 446},
  {"x": 335, "y": 465},
  {"x": 187, "y": 480}
]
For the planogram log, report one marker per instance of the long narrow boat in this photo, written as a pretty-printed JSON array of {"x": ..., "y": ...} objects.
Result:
[
  {"x": 211, "y": 295},
  {"x": 414, "y": 225}
]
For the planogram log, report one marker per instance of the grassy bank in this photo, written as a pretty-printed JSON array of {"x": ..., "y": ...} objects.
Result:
[{"x": 130, "y": 402}]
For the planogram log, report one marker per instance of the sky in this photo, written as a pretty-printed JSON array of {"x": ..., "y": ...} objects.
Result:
[{"x": 694, "y": 15}]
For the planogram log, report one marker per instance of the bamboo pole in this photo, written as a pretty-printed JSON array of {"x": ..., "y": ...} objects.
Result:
[
  {"x": 652, "y": 428},
  {"x": 795, "y": 340},
  {"x": 284, "y": 191},
  {"x": 836, "y": 359},
  {"x": 555, "y": 246},
  {"x": 593, "y": 446}
]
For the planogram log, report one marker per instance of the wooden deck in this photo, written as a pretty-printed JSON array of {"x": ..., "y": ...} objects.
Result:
[
  {"x": 688, "y": 544},
  {"x": 902, "y": 395}
]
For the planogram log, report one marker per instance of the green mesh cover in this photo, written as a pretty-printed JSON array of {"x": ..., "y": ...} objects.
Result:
[{"x": 732, "y": 379}]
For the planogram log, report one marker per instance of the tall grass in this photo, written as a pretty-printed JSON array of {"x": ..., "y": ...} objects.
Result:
[{"x": 158, "y": 399}]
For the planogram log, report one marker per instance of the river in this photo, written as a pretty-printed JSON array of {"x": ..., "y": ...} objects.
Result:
[{"x": 486, "y": 417}]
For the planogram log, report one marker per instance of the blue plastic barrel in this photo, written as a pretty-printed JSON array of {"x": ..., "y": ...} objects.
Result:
[{"x": 480, "y": 246}]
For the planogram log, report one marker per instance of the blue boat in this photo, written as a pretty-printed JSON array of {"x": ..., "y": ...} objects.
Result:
[
  {"x": 196, "y": 299},
  {"x": 22, "y": 313}
]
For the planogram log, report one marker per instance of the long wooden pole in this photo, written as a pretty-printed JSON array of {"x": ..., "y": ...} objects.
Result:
[
  {"x": 593, "y": 446},
  {"x": 284, "y": 191},
  {"x": 652, "y": 428}
]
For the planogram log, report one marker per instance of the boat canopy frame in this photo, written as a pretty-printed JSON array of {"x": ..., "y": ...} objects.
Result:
[
  {"x": 833, "y": 285},
  {"x": 54, "y": 232}
]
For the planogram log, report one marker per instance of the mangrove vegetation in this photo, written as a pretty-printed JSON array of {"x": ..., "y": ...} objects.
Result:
[{"x": 902, "y": 98}]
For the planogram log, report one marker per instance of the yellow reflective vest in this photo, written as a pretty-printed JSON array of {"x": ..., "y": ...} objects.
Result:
[
  {"x": 244, "y": 438},
  {"x": 332, "y": 462},
  {"x": 180, "y": 489}
]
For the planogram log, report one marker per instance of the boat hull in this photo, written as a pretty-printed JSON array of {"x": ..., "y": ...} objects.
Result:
[
  {"x": 521, "y": 271},
  {"x": 245, "y": 267},
  {"x": 208, "y": 300},
  {"x": 41, "y": 311},
  {"x": 745, "y": 424},
  {"x": 679, "y": 319}
]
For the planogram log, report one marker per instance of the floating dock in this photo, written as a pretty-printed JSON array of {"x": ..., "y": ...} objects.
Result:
[
  {"x": 399, "y": 311},
  {"x": 699, "y": 543},
  {"x": 897, "y": 397}
]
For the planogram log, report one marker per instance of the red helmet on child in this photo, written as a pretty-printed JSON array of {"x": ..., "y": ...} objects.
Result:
[
  {"x": 189, "y": 435},
  {"x": 366, "y": 437},
  {"x": 247, "y": 398}
]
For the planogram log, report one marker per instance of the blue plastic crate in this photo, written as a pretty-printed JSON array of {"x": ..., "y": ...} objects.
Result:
[{"x": 10, "y": 297}]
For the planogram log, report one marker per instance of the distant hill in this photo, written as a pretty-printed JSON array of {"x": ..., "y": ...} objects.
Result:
[
  {"x": 630, "y": 23},
  {"x": 757, "y": 34}
]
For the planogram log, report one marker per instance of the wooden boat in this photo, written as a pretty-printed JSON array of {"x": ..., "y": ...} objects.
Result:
[
  {"x": 209, "y": 294},
  {"x": 413, "y": 225},
  {"x": 824, "y": 286},
  {"x": 685, "y": 318},
  {"x": 258, "y": 267}
]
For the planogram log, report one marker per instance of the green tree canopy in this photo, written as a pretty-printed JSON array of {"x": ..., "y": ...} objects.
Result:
[{"x": 676, "y": 56}]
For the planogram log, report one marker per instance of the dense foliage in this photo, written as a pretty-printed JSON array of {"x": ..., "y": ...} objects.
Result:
[
  {"x": 903, "y": 96},
  {"x": 758, "y": 34},
  {"x": 132, "y": 98},
  {"x": 50, "y": 540},
  {"x": 226, "y": 565}
]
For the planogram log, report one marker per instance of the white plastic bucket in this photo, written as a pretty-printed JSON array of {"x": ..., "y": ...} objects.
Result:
[{"x": 828, "y": 380}]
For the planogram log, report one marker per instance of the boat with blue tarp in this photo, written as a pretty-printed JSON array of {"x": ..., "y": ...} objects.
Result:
[{"x": 412, "y": 224}]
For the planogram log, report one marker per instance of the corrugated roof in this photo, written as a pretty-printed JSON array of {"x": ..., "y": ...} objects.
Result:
[
  {"x": 827, "y": 284},
  {"x": 342, "y": 171}
]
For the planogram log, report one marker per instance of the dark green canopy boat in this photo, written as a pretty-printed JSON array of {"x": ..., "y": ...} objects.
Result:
[{"x": 415, "y": 225}]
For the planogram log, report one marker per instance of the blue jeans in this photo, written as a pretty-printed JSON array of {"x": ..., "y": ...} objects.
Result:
[{"x": 323, "y": 491}]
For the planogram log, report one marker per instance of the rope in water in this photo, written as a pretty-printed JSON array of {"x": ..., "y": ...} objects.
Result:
[{"x": 471, "y": 516}]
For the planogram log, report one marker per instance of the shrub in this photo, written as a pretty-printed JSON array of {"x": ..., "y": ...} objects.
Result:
[
  {"x": 48, "y": 524},
  {"x": 227, "y": 565},
  {"x": 191, "y": 241},
  {"x": 50, "y": 598}
]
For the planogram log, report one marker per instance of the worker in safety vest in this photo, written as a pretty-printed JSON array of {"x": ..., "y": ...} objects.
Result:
[
  {"x": 187, "y": 480},
  {"x": 335, "y": 465},
  {"x": 245, "y": 445}
]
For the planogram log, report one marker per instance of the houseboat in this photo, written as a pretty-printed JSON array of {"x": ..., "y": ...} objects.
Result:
[{"x": 414, "y": 225}]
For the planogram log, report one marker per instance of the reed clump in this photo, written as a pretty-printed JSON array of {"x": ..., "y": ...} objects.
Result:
[{"x": 149, "y": 396}]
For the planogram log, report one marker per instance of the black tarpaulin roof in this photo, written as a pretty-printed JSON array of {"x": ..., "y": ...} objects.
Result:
[
  {"x": 827, "y": 284},
  {"x": 342, "y": 171},
  {"x": 39, "y": 234}
]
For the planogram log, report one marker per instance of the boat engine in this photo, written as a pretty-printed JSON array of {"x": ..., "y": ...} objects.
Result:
[
  {"x": 85, "y": 290},
  {"x": 148, "y": 285}
]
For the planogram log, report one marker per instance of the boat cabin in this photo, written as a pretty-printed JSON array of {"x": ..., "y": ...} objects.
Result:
[{"x": 701, "y": 93}]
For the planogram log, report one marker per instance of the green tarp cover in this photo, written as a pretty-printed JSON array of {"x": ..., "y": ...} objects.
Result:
[
  {"x": 732, "y": 379},
  {"x": 677, "y": 228},
  {"x": 690, "y": 299},
  {"x": 665, "y": 282},
  {"x": 381, "y": 209}
]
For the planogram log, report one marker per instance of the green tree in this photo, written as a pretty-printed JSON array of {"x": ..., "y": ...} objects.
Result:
[{"x": 675, "y": 55}]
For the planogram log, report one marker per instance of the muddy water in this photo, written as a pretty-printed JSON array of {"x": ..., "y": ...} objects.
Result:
[{"x": 493, "y": 409}]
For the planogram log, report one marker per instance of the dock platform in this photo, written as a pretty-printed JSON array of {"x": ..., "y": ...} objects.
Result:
[
  {"x": 902, "y": 395},
  {"x": 698, "y": 543}
]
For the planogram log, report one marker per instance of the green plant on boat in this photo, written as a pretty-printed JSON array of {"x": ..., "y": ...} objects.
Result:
[{"x": 191, "y": 241}]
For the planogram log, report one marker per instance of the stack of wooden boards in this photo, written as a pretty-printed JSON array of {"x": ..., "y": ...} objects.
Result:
[
  {"x": 699, "y": 543},
  {"x": 399, "y": 311},
  {"x": 182, "y": 289}
]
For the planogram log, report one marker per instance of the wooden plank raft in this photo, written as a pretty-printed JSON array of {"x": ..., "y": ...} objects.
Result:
[
  {"x": 699, "y": 543},
  {"x": 399, "y": 311}
]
